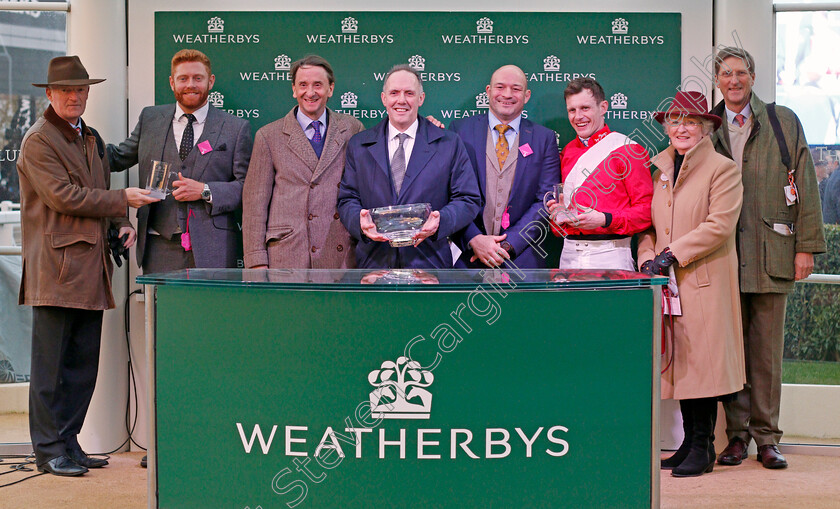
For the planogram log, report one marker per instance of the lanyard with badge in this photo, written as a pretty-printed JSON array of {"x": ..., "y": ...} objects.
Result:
[{"x": 791, "y": 194}]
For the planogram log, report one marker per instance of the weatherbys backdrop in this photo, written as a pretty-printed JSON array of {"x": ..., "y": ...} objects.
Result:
[{"x": 635, "y": 56}]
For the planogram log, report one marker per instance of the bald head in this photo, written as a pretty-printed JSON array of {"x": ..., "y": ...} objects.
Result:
[{"x": 508, "y": 92}]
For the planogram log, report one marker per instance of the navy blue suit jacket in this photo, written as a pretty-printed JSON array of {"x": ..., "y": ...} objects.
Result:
[
  {"x": 535, "y": 174},
  {"x": 438, "y": 172}
]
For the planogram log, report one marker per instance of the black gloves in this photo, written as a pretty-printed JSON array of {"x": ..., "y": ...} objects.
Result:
[
  {"x": 660, "y": 264},
  {"x": 662, "y": 261},
  {"x": 118, "y": 250}
]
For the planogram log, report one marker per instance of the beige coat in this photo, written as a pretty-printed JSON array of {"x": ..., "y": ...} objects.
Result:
[
  {"x": 66, "y": 208},
  {"x": 289, "y": 217},
  {"x": 696, "y": 218}
]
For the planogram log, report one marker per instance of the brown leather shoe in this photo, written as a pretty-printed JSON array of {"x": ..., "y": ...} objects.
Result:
[
  {"x": 770, "y": 457},
  {"x": 734, "y": 453}
]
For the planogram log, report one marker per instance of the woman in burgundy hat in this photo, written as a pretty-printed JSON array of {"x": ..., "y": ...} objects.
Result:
[{"x": 697, "y": 195}]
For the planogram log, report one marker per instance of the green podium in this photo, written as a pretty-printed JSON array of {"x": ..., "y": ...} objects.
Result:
[{"x": 316, "y": 388}]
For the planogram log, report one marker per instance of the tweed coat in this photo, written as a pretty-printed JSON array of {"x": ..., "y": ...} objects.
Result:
[
  {"x": 766, "y": 257},
  {"x": 696, "y": 218},
  {"x": 66, "y": 209},
  {"x": 214, "y": 228},
  {"x": 289, "y": 217}
]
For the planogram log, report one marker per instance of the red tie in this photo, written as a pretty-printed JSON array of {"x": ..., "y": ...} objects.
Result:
[
  {"x": 740, "y": 120},
  {"x": 78, "y": 130}
]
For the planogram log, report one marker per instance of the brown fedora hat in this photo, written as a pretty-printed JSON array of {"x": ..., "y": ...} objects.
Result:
[
  {"x": 67, "y": 71},
  {"x": 688, "y": 104}
]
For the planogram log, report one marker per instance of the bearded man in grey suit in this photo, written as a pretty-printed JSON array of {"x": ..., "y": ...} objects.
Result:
[
  {"x": 198, "y": 225},
  {"x": 290, "y": 218}
]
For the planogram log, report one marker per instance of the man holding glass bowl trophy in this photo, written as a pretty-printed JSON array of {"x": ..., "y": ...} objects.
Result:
[
  {"x": 407, "y": 184},
  {"x": 193, "y": 157},
  {"x": 606, "y": 191}
]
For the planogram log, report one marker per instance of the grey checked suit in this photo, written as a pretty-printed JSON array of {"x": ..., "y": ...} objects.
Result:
[{"x": 214, "y": 228}]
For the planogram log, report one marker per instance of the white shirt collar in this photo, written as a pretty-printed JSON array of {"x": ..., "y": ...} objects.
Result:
[
  {"x": 411, "y": 131},
  {"x": 304, "y": 121},
  {"x": 200, "y": 114},
  {"x": 494, "y": 121},
  {"x": 730, "y": 115}
]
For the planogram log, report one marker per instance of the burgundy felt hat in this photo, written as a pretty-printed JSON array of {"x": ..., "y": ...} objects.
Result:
[
  {"x": 67, "y": 71},
  {"x": 688, "y": 104}
]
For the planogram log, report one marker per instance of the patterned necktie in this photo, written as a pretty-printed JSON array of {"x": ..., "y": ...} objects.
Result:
[
  {"x": 187, "y": 138},
  {"x": 502, "y": 150},
  {"x": 740, "y": 120},
  {"x": 78, "y": 130},
  {"x": 398, "y": 163},
  {"x": 317, "y": 126}
]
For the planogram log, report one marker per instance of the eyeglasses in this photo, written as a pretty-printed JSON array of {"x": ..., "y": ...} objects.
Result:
[
  {"x": 729, "y": 74},
  {"x": 689, "y": 124}
]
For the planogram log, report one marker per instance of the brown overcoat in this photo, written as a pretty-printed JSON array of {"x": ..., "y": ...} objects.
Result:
[
  {"x": 66, "y": 209},
  {"x": 289, "y": 217},
  {"x": 696, "y": 218}
]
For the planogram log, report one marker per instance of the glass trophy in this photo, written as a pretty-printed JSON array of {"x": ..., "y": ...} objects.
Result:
[{"x": 400, "y": 223}]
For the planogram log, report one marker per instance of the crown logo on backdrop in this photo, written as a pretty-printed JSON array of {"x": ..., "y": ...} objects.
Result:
[
  {"x": 482, "y": 101},
  {"x": 215, "y": 25},
  {"x": 417, "y": 63},
  {"x": 349, "y": 100},
  {"x": 551, "y": 63},
  {"x": 618, "y": 101},
  {"x": 484, "y": 26},
  {"x": 349, "y": 25},
  {"x": 282, "y": 63},
  {"x": 216, "y": 99},
  {"x": 400, "y": 392},
  {"x": 619, "y": 26}
]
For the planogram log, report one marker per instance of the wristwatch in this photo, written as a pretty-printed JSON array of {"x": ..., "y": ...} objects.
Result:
[
  {"x": 205, "y": 195},
  {"x": 507, "y": 247}
]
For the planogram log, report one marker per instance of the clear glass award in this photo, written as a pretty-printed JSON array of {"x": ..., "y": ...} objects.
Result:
[
  {"x": 400, "y": 223},
  {"x": 159, "y": 180}
]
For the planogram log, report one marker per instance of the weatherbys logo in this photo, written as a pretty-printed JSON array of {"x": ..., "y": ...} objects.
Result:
[
  {"x": 482, "y": 103},
  {"x": 282, "y": 64},
  {"x": 418, "y": 63},
  {"x": 484, "y": 35},
  {"x": 217, "y": 100},
  {"x": 350, "y": 103},
  {"x": 349, "y": 100},
  {"x": 620, "y": 28},
  {"x": 619, "y": 109},
  {"x": 400, "y": 392},
  {"x": 349, "y": 35},
  {"x": 215, "y": 35},
  {"x": 551, "y": 72}
]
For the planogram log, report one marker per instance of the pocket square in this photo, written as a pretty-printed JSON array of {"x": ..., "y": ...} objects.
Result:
[{"x": 222, "y": 147}]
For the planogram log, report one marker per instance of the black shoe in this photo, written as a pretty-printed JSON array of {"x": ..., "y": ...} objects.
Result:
[
  {"x": 143, "y": 462},
  {"x": 62, "y": 466},
  {"x": 84, "y": 460}
]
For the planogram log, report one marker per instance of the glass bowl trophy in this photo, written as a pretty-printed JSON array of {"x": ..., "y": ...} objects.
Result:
[{"x": 400, "y": 223}]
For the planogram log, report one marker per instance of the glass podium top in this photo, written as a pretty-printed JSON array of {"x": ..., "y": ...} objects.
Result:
[{"x": 406, "y": 279}]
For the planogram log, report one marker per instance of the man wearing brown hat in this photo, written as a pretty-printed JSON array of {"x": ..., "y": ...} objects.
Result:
[{"x": 66, "y": 211}]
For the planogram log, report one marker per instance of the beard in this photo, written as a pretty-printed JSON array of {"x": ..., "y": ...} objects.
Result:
[{"x": 188, "y": 100}]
